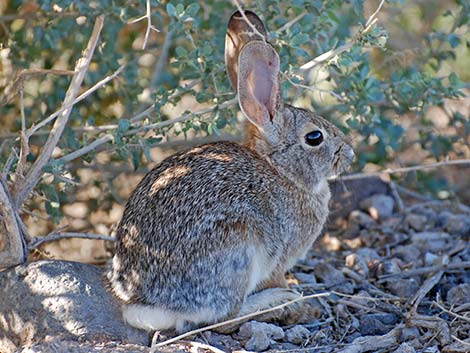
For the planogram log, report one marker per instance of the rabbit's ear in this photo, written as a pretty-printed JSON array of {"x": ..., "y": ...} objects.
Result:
[
  {"x": 258, "y": 83},
  {"x": 239, "y": 32}
]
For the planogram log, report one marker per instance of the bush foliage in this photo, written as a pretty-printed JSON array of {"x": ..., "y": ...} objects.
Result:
[{"x": 414, "y": 57}]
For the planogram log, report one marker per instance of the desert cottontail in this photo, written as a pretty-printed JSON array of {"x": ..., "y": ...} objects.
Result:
[{"x": 209, "y": 233}]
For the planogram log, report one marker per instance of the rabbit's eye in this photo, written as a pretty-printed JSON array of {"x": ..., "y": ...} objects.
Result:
[{"x": 314, "y": 138}]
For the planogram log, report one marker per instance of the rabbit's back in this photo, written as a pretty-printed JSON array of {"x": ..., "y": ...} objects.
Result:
[{"x": 178, "y": 226}]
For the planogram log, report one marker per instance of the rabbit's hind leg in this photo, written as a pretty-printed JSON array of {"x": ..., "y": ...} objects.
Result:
[{"x": 269, "y": 298}]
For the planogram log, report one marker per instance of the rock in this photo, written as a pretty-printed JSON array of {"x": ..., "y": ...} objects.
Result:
[
  {"x": 358, "y": 264},
  {"x": 459, "y": 295},
  {"x": 60, "y": 346},
  {"x": 60, "y": 298},
  {"x": 404, "y": 348},
  {"x": 298, "y": 334},
  {"x": 408, "y": 254},
  {"x": 363, "y": 220},
  {"x": 260, "y": 335},
  {"x": 409, "y": 333},
  {"x": 376, "y": 324},
  {"x": 258, "y": 342},
  {"x": 249, "y": 328},
  {"x": 378, "y": 206},
  {"x": 305, "y": 277},
  {"x": 404, "y": 288},
  {"x": 389, "y": 267},
  {"x": 431, "y": 259},
  {"x": 456, "y": 224},
  {"x": 333, "y": 278},
  {"x": 416, "y": 221},
  {"x": 430, "y": 241}
]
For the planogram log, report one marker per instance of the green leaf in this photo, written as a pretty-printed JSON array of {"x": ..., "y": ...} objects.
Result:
[
  {"x": 192, "y": 9},
  {"x": 170, "y": 10}
]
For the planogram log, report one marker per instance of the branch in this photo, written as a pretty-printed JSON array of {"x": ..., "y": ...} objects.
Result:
[
  {"x": 37, "y": 241},
  {"x": 14, "y": 251},
  {"x": 150, "y": 27},
  {"x": 289, "y": 24},
  {"x": 109, "y": 137},
  {"x": 238, "y": 319},
  {"x": 23, "y": 188},
  {"x": 84, "y": 95},
  {"x": 404, "y": 169},
  {"x": 334, "y": 52}
]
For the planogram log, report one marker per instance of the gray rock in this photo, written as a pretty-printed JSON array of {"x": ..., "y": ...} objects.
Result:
[
  {"x": 333, "y": 278},
  {"x": 60, "y": 298},
  {"x": 389, "y": 267},
  {"x": 431, "y": 259},
  {"x": 376, "y": 324},
  {"x": 305, "y": 277},
  {"x": 404, "y": 348},
  {"x": 378, "y": 206},
  {"x": 298, "y": 334},
  {"x": 258, "y": 342},
  {"x": 408, "y": 253},
  {"x": 260, "y": 335},
  {"x": 404, "y": 288},
  {"x": 430, "y": 241},
  {"x": 457, "y": 224},
  {"x": 416, "y": 221},
  {"x": 249, "y": 328},
  {"x": 409, "y": 333},
  {"x": 459, "y": 295}
]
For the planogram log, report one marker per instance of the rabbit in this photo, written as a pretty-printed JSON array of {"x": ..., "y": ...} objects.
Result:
[{"x": 209, "y": 233}]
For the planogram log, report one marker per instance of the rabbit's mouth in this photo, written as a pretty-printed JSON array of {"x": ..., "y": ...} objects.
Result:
[{"x": 343, "y": 158}]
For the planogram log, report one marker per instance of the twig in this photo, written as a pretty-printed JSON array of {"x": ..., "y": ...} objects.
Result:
[
  {"x": 24, "y": 151},
  {"x": 37, "y": 241},
  {"x": 15, "y": 252},
  {"x": 405, "y": 169},
  {"x": 428, "y": 284},
  {"x": 425, "y": 270},
  {"x": 467, "y": 319},
  {"x": 81, "y": 97},
  {"x": 23, "y": 188},
  {"x": 412, "y": 193},
  {"x": 150, "y": 27},
  {"x": 374, "y": 343},
  {"x": 396, "y": 196},
  {"x": 289, "y": 24},
  {"x": 334, "y": 52},
  {"x": 238, "y": 319},
  {"x": 312, "y": 88}
]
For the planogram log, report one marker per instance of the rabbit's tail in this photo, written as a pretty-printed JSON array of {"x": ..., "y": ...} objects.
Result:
[{"x": 150, "y": 317}]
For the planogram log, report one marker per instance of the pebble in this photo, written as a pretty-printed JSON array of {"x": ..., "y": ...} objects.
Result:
[
  {"x": 305, "y": 277},
  {"x": 298, "y": 334},
  {"x": 457, "y": 224},
  {"x": 260, "y": 335},
  {"x": 378, "y": 206},
  {"x": 409, "y": 333},
  {"x": 431, "y": 241},
  {"x": 416, "y": 221},
  {"x": 377, "y": 324},
  {"x": 404, "y": 348},
  {"x": 404, "y": 288},
  {"x": 459, "y": 295}
]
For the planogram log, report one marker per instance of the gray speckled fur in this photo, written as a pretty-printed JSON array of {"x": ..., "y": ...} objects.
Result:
[{"x": 197, "y": 227}]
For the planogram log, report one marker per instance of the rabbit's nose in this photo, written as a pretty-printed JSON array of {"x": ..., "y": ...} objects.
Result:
[{"x": 350, "y": 155}]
